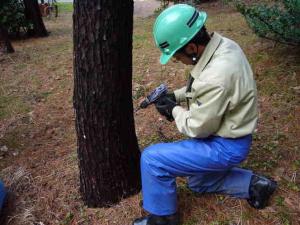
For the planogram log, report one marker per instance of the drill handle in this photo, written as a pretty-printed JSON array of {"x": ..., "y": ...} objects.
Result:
[{"x": 158, "y": 92}]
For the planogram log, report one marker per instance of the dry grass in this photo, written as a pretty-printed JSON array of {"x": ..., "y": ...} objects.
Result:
[
  {"x": 19, "y": 181},
  {"x": 36, "y": 88}
]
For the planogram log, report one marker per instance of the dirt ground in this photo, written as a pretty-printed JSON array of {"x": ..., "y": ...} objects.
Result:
[
  {"x": 144, "y": 8},
  {"x": 38, "y": 160}
]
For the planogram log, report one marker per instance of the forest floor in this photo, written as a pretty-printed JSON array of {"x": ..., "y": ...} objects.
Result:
[{"x": 38, "y": 160}]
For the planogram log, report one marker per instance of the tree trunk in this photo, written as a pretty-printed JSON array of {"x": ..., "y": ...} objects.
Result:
[
  {"x": 33, "y": 14},
  {"x": 5, "y": 45},
  {"x": 107, "y": 145}
]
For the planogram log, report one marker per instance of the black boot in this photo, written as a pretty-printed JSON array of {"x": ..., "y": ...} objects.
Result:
[
  {"x": 158, "y": 220},
  {"x": 260, "y": 190}
]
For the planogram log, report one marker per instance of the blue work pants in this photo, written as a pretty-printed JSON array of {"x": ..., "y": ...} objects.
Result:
[
  {"x": 3, "y": 194},
  {"x": 210, "y": 165}
]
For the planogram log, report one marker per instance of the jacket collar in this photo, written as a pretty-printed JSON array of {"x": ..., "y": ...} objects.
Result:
[{"x": 207, "y": 54}]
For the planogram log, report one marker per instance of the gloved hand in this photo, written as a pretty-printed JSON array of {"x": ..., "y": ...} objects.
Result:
[
  {"x": 164, "y": 106},
  {"x": 171, "y": 96}
]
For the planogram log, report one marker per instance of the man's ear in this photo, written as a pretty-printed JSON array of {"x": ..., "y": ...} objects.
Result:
[{"x": 191, "y": 48}]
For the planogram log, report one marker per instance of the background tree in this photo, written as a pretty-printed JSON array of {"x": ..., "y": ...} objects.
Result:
[
  {"x": 18, "y": 17},
  {"x": 279, "y": 21},
  {"x": 107, "y": 145},
  {"x": 5, "y": 45},
  {"x": 12, "y": 17},
  {"x": 12, "y": 20},
  {"x": 33, "y": 14}
]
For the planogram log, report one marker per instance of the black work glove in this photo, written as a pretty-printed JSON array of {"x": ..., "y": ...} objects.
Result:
[
  {"x": 171, "y": 96},
  {"x": 164, "y": 106}
]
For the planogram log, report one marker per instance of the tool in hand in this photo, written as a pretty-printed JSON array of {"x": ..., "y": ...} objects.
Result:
[{"x": 158, "y": 92}]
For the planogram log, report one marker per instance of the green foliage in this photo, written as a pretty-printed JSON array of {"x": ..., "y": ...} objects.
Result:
[
  {"x": 197, "y": 1},
  {"x": 12, "y": 16},
  {"x": 279, "y": 200},
  {"x": 68, "y": 218},
  {"x": 279, "y": 21}
]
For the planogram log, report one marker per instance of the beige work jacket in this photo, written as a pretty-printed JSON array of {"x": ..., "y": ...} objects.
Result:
[{"x": 221, "y": 94}]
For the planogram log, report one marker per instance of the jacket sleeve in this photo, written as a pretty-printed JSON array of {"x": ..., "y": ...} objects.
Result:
[
  {"x": 180, "y": 94},
  {"x": 206, "y": 111}
]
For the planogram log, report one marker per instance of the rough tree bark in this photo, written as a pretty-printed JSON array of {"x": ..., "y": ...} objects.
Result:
[
  {"x": 5, "y": 45},
  {"x": 33, "y": 14},
  {"x": 107, "y": 145}
]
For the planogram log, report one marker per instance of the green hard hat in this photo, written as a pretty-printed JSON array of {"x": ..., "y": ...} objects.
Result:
[{"x": 175, "y": 27}]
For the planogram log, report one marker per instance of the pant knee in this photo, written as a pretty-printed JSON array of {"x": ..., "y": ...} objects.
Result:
[
  {"x": 150, "y": 153},
  {"x": 152, "y": 162}
]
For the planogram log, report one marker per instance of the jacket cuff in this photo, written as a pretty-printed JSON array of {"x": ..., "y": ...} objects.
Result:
[
  {"x": 180, "y": 94},
  {"x": 177, "y": 110}
]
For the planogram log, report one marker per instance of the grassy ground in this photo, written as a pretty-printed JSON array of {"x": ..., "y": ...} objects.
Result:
[
  {"x": 37, "y": 127},
  {"x": 65, "y": 7}
]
